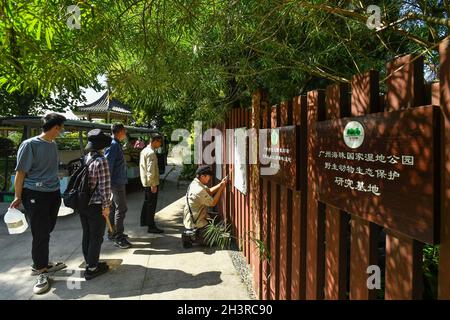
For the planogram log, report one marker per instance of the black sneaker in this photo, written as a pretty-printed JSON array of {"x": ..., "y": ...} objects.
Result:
[
  {"x": 122, "y": 243},
  {"x": 186, "y": 240},
  {"x": 111, "y": 236},
  {"x": 154, "y": 230},
  {"x": 102, "y": 267},
  {"x": 52, "y": 267},
  {"x": 42, "y": 284}
]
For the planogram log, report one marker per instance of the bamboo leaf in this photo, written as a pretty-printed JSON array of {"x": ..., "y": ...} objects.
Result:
[{"x": 38, "y": 31}]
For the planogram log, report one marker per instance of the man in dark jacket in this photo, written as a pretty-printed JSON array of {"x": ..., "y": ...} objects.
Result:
[{"x": 118, "y": 169}]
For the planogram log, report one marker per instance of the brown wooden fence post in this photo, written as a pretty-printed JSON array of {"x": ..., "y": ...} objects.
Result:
[
  {"x": 274, "y": 223},
  {"x": 299, "y": 206},
  {"x": 248, "y": 226},
  {"x": 444, "y": 262},
  {"x": 227, "y": 159},
  {"x": 336, "y": 226},
  {"x": 266, "y": 199},
  {"x": 316, "y": 211},
  {"x": 404, "y": 256},
  {"x": 233, "y": 190},
  {"x": 240, "y": 195},
  {"x": 237, "y": 211},
  {"x": 285, "y": 220},
  {"x": 364, "y": 234},
  {"x": 224, "y": 172},
  {"x": 255, "y": 193}
]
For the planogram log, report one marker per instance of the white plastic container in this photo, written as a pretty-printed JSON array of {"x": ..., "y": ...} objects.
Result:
[
  {"x": 64, "y": 211},
  {"x": 15, "y": 221}
]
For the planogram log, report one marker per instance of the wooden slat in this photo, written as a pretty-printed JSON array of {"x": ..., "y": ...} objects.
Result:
[
  {"x": 364, "y": 234},
  {"x": 285, "y": 222},
  {"x": 403, "y": 267},
  {"x": 243, "y": 211},
  {"x": 236, "y": 191},
  {"x": 246, "y": 209},
  {"x": 233, "y": 189},
  {"x": 248, "y": 226},
  {"x": 255, "y": 196},
  {"x": 274, "y": 224},
  {"x": 230, "y": 175},
  {"x": 227, "y": 168},
  {"x": 363, "y": 246},
  {"x": 405, "y": 83},
  {"x": 336, "y": 234},
  {"x": 244, "y": 199},
  {"x": 435, "y": 94},
  {"x": 266, "y": 219},
  {"x": 238, "y": 194},
  {"x": 403, "y": 255},
  {"x": 244, "y": 202},
  {"x": 315, "y": 213},
  {"x": 241, "y": 196},
  {"x": 298, "y": 273},
  {"x": 224, "y": 172},
  {"x": 444, "y": 262},
  {"x": 365, "y": 93}
]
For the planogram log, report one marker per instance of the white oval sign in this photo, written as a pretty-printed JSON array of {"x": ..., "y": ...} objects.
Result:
[
  {"x": 354, "y": 134},
  {"x": 274, "y": 137}
]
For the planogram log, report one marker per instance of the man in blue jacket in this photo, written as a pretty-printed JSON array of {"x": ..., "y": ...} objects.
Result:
[{"x": 118, "y": 169}]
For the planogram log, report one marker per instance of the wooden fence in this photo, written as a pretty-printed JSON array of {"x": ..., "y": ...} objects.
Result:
[{"x": 320, "y": 251}]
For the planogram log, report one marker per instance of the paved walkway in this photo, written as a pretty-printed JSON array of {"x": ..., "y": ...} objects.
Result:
[{"x": 156, "y": 267}]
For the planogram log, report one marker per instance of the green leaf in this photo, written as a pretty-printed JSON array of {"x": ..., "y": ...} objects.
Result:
[
  {"x": 48, "y": 37},
  {"x": 38, "y": 31},
  {"x": 32, "y": 24}
]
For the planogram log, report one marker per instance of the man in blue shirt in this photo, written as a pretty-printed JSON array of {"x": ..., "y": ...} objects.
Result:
[
  {"x": 118, "y": 169},
  {"x": 36, "y": 185}
]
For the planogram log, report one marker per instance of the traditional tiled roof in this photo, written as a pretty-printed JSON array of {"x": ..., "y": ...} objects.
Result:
[{"x": 103, "y": 105}]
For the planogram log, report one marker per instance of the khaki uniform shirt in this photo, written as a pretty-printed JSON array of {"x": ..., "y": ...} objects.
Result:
[
  {"x": 199, "y": 200},
  {"x": 148, "y": 166}
]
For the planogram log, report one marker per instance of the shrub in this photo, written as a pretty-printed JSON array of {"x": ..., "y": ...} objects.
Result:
[{"x": 7, "y": 148}]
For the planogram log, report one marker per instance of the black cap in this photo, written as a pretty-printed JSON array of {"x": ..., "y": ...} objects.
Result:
[
  {"x": 97, "y": 140},
  {"x": 205, "y": 170}
]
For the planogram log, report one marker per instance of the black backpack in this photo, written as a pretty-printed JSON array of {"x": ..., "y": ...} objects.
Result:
[{"x": 78, "y": 193}]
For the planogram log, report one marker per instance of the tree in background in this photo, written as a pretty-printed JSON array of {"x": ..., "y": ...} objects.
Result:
[{"x": 178, "y": 61}]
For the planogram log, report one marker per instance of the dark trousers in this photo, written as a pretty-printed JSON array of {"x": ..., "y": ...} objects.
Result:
[
  {"x": 118, "y": 208},
  {"x": 93, "y": 224},
  {"x": 149, "y": 208},
  {"x": 41, "y": 209}
]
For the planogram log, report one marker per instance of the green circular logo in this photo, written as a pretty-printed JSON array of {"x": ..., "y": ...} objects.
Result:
[
  {"x": 274, "y": 137},
  {"x": 354, "y": 134}
]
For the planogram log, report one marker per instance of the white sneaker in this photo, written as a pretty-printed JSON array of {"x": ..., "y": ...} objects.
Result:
[{"x": 42, "y": 284}]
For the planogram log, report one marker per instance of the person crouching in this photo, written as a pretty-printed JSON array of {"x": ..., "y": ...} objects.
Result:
[
  {"x": 93, "y": 217},
  {"x": 198, "y": 198}
]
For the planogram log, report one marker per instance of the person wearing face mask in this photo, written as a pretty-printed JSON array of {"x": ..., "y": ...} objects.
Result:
[
  {"x": 93, "y": 217},
  {"x": 37, "y": 187}
]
